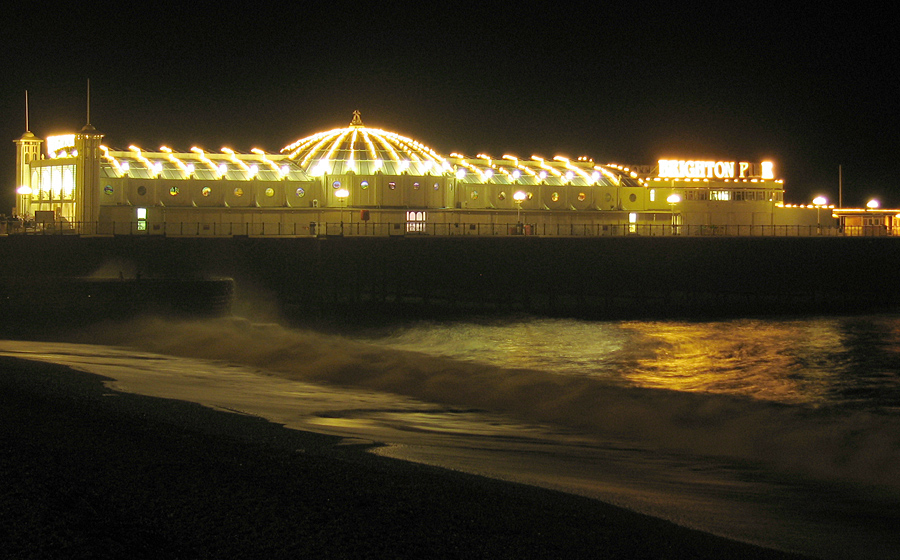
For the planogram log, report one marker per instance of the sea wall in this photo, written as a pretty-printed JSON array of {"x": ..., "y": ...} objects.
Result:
[{"x": 304, "y": 278}]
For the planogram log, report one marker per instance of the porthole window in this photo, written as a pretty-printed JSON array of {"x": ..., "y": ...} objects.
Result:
[
  {"x": 392, "y": 185},
  {"x": 270, "y": 192},
  {"x": 632, "y": 197},
  {"x": 364, "y": 185},
  {"x": 581, "y": 197},
  {"x": 142, "y": 190},
  {"x": 554, "y": 197},
  {"x": 437, "y": 186},
  {"x": 238, "y": 191},
  {"x": 474, "y": 195},
  {"x": 502, "y": 195},
  {"x": 416, "y": 186},
  {"x": 205, "y": 191},
  {"x": 108, "y": 190},
  {"x": 608, "y": 197},
  {"x": 174, "y": 191},
  {"x": 300, "y": 192},
  {"x": 336, "y": 184},
  {"x": 529, "y": 196}
]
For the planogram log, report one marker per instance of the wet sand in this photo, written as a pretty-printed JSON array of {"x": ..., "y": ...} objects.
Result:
[{"x": 86, "y": 472}]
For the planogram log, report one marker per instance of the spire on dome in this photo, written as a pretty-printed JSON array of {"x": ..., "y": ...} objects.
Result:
[{"x": 357, "y": 121}]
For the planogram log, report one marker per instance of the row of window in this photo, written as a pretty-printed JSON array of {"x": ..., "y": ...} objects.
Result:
[
  {"x": 205, "y": 191},
  {"x": 747, "y": 196},
  {"x": 700, "y": 194},
  {"x": 391, "y": 185}
]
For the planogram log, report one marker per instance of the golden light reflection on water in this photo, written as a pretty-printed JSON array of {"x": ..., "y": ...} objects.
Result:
[
  {"x": 762, "y": 359},
  {"x": 791, "y": 361}
]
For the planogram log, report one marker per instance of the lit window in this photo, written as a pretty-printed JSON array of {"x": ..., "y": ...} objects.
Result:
[
  {"x": 436, "y": 186},
  {"x": 238, "y": 191},
  {"x": 554, "y": 197},
  {"x": 141, "y": 213},
  {"x": 108, "y": 190},
  {"x": 474, "y": 195},
  {"x": 415, "y": 222},
  {"x": 652, "y": 195},
  {"x": 364, "y": 185},
  {"x": 416, "y": 186},
  {"x": 632, "y": 222},
  {"x": 300, "y": 192},
  {"x": 502, "y": 195},
  {"x": 174, "y": 191},
  {"x": 270, "y": 192},
  {"x": 581, "y": 197},
  {"x": 205, "y": 191},
  {"x": 392, "y": 185},
  {"x": 336, "y": 184}
]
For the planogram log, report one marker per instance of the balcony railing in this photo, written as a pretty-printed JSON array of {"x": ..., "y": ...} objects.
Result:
[{"x": 392, "y": 229}]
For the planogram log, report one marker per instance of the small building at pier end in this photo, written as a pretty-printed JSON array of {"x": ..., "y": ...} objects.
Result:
[{"x": 358, "y": 180}]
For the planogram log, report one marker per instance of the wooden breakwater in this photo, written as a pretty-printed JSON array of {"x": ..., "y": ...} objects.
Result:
[{"x": 374, "y": 278}]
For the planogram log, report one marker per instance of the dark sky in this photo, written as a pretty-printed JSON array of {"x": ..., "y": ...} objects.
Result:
[{"x": 809, "y": 88}]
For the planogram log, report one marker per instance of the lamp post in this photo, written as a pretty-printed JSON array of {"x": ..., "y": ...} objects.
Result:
[
  {"x": 342, "y": 195},
  {"x": 674, "y": 199},
  {"x": 519, "y": 197},
  {"x": 819, "y": 202}
]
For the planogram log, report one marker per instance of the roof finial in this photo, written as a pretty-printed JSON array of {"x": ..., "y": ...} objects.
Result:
[{"x": 356, "y": 120}]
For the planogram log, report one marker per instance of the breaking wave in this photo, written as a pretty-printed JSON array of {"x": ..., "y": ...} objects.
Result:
[{"x": 609, "y": 402}]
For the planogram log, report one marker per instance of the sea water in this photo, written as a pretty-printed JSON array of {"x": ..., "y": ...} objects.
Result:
[{"x": 781, "y": 432}]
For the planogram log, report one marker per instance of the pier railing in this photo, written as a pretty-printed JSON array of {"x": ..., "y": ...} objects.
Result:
[{"x": 394, "y": 229}]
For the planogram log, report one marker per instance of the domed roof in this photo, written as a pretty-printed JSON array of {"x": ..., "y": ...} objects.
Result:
[{"x": 364, "y": 151}]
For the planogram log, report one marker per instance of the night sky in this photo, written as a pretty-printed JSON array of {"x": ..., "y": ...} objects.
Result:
[{"x": 808, "y": 88}]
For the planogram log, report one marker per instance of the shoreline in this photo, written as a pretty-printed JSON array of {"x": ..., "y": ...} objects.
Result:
[{"x": 91, "y": 472}]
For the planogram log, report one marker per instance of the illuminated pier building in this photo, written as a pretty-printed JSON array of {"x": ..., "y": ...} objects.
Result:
[{"x": 358, "y": 180}]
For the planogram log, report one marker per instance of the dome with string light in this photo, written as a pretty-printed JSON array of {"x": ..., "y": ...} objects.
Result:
[{"x": 364, "y": 151}]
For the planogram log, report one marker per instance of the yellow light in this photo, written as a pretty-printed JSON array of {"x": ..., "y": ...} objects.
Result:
[
  {"x": 872, "y": 204},
  {"x": 23, "y": 190},
  {"x": 673, "y": 199},
  {"x": 820, "y": 201},
  {"x": 60, "y": 142}
]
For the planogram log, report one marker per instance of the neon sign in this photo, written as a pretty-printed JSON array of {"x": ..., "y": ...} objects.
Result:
[{"x": 696, "y": 169}]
